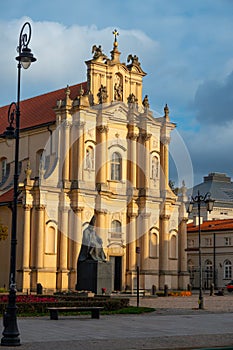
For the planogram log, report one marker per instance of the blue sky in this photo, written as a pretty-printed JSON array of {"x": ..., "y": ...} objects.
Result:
[{"x": 185, "y": 46}]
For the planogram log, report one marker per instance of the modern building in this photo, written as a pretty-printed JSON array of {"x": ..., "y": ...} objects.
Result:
[
  {"x": 216, "y": 252},
  {"x": 93, "y": 148}
]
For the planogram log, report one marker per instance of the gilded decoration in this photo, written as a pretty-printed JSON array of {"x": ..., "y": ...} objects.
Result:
[{"x": 3, "y": 232}]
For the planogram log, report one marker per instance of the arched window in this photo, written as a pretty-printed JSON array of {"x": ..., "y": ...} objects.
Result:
[
  {"x": 209, "y": 269},
  {"x": 116, "y": 226},
  {"x": 116, "y": 164},
  {"x": 51, "y": 240},
  {"x": 116, "y": 229},
  {"x": 227, "y": 269},
  {"x": 173, "y": 254},
  {"x": 89, "y": 158},
  {"x": 153, "y": 244}
]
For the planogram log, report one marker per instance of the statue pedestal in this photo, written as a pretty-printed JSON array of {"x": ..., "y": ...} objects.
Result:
[{"x": 94, "y": 275}]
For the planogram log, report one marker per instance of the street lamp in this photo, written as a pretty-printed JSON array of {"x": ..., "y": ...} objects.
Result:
[
  {"x": 24, "y": 58},
  {"x": 199, "y": 199}
]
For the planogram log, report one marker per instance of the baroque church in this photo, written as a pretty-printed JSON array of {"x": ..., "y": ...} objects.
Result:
[{"x": 93, "y": 148}]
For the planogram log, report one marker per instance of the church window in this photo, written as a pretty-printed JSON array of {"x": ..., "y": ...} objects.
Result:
[
  {"x": 153, "y": 247},
  {"x": 173, "y": 254},
  {"x": 116, "y": 229},
  {"x": 50, "y": 240},
  {"x": 116, "y": 166}
]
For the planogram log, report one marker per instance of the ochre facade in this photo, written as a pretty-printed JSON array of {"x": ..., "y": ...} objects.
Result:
[{"x": 94, "y": 148}]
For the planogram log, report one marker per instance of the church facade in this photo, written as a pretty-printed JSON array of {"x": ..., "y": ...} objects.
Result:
[{"x": 94, "y": 149}]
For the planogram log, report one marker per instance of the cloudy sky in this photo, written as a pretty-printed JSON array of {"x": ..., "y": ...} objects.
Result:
[{"x": 185, "y": 46}]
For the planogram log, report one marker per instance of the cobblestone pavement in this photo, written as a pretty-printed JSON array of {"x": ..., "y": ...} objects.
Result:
[
  {"x": 211, "y": 303},
  {"x": 175, "y": 324}
]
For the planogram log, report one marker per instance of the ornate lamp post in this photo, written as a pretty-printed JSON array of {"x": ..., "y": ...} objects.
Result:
[
  {"x": 25, "y": 57},
  {"x": 199, "y": 199}
]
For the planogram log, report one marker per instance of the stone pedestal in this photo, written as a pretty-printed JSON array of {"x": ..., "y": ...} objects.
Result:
[{"x": 94, "y": 275}]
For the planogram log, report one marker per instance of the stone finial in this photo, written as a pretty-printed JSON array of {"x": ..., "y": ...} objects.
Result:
[
  {"x": 67, "y": 91},
  {"x": 97, "y": 52},
  {"x": 145, "y": 102},
  {"x": 134, "y": 60},
  {"x": 166, "y": 111},
  {"x": 81, "y": 91},
  {"x": 28, "y": 170}
]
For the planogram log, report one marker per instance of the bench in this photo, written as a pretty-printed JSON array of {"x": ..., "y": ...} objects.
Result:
[{"x": 95, "y": 310}]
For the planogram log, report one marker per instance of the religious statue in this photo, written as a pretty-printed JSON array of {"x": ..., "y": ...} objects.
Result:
[
  {"x": 118, "y": 89},
  {"x": 102, "y": 94},
  {"x": 134, "y": 60},
  {"x": 91, "y": 248},
  {"x": 145, "y": 102},
  {"x": 97, "y": 52}
]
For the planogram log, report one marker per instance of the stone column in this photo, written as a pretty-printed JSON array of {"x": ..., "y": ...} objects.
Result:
[
  {"x": 132, "y": 140},
  {"x": 26, "y": 236},
  {"x": 39, "y": 227},
  {"x": 65, "y": 146},
  {"x": 144, "y": 232},
  {"x": 131, "y": 251},
  {"x": 75, "y": 241},
  {"x": 101, "y": 154},
  {"x": 62, "y": 277},
  {"x": 26, "y": 249},
  {"x": 101, "y": 230},
  {"x": 164, "y": 251},
  {"x": 183, "y": 245},
  {"x": 164, "y": 149},
  {"x": 79, "y": 164}
]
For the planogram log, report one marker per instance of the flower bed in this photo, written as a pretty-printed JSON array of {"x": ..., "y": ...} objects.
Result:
[
  {"x": 34, "y": 304},
  {"x": 182, "y": 293},
  {"x": 29, "y": 299}
]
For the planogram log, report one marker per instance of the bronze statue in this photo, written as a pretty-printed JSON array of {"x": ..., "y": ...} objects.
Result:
[{"x": 91, "y": 248}]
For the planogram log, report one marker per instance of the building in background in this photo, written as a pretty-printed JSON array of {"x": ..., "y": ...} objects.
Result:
[
  {"x": 220, "y": 187},
  {"x": 216, "y": 252},
  {"x": 94, "y": 148}
]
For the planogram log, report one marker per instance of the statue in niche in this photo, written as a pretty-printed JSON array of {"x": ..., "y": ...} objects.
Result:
[
  {"x": 92, "y": 244},
  {"x": 102, "y": 94},
  {"x": 118, "y": 89},
  {"x": 155, "y": 169},
  {"x": 89, "y": 159}
]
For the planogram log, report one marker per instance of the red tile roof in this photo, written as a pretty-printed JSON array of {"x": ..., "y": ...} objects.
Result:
[
  {"x": 7, "y": 196},
  {"x": 212, "y": 225},
  {"x": 39, "y": 109}
]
